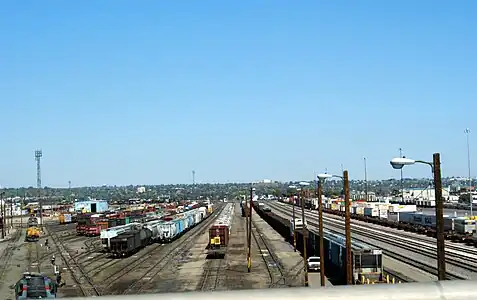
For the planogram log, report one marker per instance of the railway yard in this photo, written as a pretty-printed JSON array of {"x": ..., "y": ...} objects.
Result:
[
  {"x": 406, "y": 256},
  {"x": 206, "y": 249},
  {"x": 182, "y": 264}
]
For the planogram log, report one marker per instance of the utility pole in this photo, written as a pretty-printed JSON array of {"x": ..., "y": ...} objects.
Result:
[
  {"x": 304, "y": 233},
  {"x": 365, "y": 179},
  {"x": 38, "y": 155},
  {"x": 249, "y": 238},
  {"x": 321, "y": 233},
  {"x": 294, "y": 225},
  {"x": 471, "y": 200},
  {"x": 11, "y": 213},
  {"x": 441, "y": 256},
  {"x": 402, "y": 182},
  {"x": 3, "y": 216},
  {"x": 349, "y": 261}
]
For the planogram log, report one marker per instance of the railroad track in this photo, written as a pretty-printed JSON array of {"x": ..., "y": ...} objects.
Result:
[
  {"x": 85, "y": 283},
  {"x": 393, "y": 254},
  {"x": 397, "y": 275},
  {"x": 210, "y": 278},
  {"x": 8, "y": 253},
  {"x": 182, "y": 245},
  {"x": 274, "y": 267},
  {"x": 34, "y": 258},
  {"x": 452, "y": 245}
]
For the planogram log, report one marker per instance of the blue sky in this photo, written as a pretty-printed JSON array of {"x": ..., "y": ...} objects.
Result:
[{"x": 144, "y": 92}]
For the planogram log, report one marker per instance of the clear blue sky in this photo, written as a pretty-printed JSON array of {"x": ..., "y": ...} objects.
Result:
[{"x": 144, "y": 92}]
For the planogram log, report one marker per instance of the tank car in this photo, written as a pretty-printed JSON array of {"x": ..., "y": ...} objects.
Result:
[{"x": 35, "y": 286}]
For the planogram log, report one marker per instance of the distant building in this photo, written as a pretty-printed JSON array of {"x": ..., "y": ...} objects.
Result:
[
  {"x": 141, "y": 190},
  {"x": 91, "y": 206}
]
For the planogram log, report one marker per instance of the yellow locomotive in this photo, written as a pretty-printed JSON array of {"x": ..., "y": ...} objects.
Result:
[{"x": 32, "y": 234}]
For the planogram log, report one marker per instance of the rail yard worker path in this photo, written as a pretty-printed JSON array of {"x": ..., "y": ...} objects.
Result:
[{"x": 237, "y": 276}]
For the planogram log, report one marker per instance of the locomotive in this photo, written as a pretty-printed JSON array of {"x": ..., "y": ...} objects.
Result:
[{"x": 35, "y": 286}]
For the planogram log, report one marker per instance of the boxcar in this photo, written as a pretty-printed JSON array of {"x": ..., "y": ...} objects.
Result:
[{"x": 219, "y": 232}]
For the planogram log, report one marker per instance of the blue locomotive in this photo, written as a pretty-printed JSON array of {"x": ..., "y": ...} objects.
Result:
[{"x": 35, "y": 286}]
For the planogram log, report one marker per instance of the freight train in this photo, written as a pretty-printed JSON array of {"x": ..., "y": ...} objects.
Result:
[
  {"x": 35, "y": 286},
  {"x": 33, "y": 221},
  {"x": 128, "y": 240},
  {"x": 458, "y": 229},
  {"x": 367, "y": 261},
  {"x": 219, "y": 232}
]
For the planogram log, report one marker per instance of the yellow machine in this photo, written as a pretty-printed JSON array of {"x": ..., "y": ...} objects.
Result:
[{"x": 32, "y": 234}]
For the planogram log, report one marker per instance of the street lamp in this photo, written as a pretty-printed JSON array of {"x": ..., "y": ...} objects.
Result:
[
  {"x": 349, "y": 271},
  {"x": 398, "y": 163},
  {"x": 293, "y": 214},
  {"x": 304, "y": 233},
  {"x": 467, "y": 132}
]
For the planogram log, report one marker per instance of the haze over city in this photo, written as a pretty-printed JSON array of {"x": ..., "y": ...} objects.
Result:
[{"x": 119, "y": 92}]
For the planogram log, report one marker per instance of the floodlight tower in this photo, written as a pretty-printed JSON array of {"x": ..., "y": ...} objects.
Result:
[{"x": 38, "y": 155}]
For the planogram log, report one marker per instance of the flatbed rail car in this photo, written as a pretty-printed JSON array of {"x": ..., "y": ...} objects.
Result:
[
  {"x": 219, "y": 233},
  {"x": 367, "y": 261},
  {"x": 35, "y": 286}
]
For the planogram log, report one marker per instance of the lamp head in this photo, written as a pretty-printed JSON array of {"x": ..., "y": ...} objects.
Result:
[
  {"x": 324, "y": 176},
  {"x": 400, "y": 162}
]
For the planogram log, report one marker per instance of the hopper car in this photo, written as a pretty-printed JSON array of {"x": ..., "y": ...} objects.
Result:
[
  {"x": 35, "y": 286},
  {"x": 107, "y": 234},
  {"x": 32, "y": 234},
  {"x": 130, "y": 242},
  {"x": 219, "y": 232},
  {"x": 177, "y": 225},
  {"x": 367, "y": 261}
]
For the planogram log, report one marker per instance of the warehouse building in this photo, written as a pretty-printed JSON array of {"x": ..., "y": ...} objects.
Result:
[{"x": 91, "y": 206}]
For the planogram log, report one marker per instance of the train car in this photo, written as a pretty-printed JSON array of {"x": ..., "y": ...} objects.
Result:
[
  {"x": 167, "y": 231},
  {"x": 130, "y": 242},
  {"x": 32, "y": 234},
  {"x": 154, "y": 227},
  {"x": 367, "y": 262},
  {"x": 107, "y": 234},
  {"x": 35, "y": 286},
  {"x": 92, "y": 227},
  {"x": 83, "y": 220},
  {"x": 33, "y": 221},
  {"x": 464, "y": 226},
  {"x": 219, "y": 232},
  {"x": 66, "y": 219}
]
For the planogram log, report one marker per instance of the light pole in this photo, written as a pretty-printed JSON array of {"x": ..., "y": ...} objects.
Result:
[
  {"x": 399, "y": 163},
  {"x": 304, "y": 233},
  {"x": 321, "y": 180},
  {"x": 402, "y": 182},
  {"x": 471, "y": 200},
  {"x": 1, "y": 211},
  {"x": 345, "y": 178},
  {"x": 249, "y": 237},
  {"x": 293, "y": 216},
  {"x": 365, "y": 179}
]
